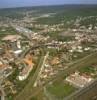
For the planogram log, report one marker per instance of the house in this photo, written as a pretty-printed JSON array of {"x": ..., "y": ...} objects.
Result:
[{"x": 28, "y": 66}]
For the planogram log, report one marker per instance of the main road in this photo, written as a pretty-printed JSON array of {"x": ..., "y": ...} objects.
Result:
[
  {"x": 29, "y": 89},
  {"x": 41, "y": 69}
]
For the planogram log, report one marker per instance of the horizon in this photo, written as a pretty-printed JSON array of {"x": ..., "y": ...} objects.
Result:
[
  {"x": 49, "y": 5},
  {"x": 30, "y": 3}
]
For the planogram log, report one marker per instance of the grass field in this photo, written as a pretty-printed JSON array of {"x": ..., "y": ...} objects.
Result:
[
  {"x": 87, "y": 69},
  {"x": 90, "y": 70},
  {"x": 7, "y": 31},
  {"x": 60, "y": 89}
]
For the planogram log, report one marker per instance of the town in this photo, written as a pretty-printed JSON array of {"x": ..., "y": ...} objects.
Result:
[{"x": 44, "y": 60}]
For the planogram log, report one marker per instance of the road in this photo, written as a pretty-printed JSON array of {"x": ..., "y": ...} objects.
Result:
[
  {"x": 41, "y": 69},
  {"x": 85, "y": 93},
  {"x": 78, "y": 61},
  {"x": 23, "y": 31},
  {"x": 3, "y": 93},
  {"x": 1, "y": 88},
  {"x": 29, "y": 90}
]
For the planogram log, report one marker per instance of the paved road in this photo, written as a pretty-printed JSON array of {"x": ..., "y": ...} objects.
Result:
[
  {"x": 3, "y": 93},
  {"x": 85, "y": 93},
  {"x": 23, "y": 31},
  {"x": 41, "y": 69},
  {"x": 29, "y": 90},
  {"x": 1, "y": 88}
]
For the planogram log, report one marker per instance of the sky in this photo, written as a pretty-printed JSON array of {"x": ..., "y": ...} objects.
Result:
[{"x": 21, "y": 3}]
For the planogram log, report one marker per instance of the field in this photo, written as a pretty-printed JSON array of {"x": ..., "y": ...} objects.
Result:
[
  {"x": 6, "y": 31},
  {"x": 60, "y": 89}
]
